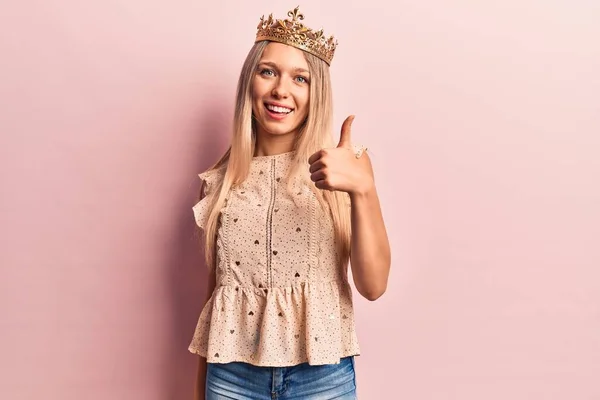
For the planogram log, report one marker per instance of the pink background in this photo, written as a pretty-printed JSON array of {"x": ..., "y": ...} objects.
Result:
[{"x": 483, "y": 119}]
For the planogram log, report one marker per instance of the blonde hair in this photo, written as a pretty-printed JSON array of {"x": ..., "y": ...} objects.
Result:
[{"x": 314, "y": 135}]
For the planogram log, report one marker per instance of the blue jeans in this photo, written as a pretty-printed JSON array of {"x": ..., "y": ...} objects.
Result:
[{"x": 241, "y": 381}]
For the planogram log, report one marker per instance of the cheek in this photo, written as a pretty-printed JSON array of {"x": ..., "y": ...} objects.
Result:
[
  {"x": 254, "y": 93},
  {"x": 257, "y": 91}
]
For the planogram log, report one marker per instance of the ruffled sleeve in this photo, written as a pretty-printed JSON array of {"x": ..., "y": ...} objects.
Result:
[{"x": 201, "y": 209}]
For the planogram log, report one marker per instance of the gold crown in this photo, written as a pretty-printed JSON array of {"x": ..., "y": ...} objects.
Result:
[{"x": 294, "y": 33}]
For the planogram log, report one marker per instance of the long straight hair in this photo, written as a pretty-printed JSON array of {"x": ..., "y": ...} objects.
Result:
[{"x": 314, "y": 135}]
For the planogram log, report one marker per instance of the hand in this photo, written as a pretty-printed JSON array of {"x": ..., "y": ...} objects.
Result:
[{"x": 339, "y": 169}]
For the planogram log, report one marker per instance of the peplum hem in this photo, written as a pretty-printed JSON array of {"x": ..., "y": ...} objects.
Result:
[{"x": 280, "y": 326}]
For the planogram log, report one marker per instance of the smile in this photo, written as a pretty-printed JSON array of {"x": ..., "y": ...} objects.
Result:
[{"x": 278, "y": 109}]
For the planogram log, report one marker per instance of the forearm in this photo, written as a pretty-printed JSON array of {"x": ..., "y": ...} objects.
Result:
[{"x": 370, "y": 249}]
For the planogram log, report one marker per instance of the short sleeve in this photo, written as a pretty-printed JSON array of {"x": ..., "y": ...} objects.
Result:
[{"x": 201, "y": 209}]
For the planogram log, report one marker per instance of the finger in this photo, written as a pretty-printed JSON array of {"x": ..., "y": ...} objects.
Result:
[
  {"x": 315, "y": 157},
  {"x": 317, "y": 165},
  {"x": 323, "y": 184},
  {"x": 319, "y": 175},
  {"x": 345, "y": 140}
]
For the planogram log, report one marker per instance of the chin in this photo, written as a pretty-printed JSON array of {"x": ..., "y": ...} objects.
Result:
[{"x": 279, "y": 129}]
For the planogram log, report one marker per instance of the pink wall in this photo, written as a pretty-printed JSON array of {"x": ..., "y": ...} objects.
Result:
[{"x": 483, "y": 121}]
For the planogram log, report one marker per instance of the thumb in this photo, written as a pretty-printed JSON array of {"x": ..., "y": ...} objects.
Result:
[{"x": 345, "y": 140}]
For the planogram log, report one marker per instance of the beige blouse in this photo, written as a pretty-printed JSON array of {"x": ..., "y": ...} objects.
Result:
[{"x": 281, "y": 298}]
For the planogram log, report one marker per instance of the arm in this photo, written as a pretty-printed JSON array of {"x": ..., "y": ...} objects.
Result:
[
  {"x": 370, "y": 254},
  {"x": 200, "y": 388},
  {"x": 345, "y": 170}
]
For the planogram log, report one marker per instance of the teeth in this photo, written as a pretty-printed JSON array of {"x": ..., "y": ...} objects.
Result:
[{"x": 278, "y": 109}]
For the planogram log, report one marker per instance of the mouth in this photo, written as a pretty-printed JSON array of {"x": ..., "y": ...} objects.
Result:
[{"x": 278, "y": 111}]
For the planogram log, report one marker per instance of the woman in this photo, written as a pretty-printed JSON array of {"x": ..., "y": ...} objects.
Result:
[{"x": 283, "y": 212}]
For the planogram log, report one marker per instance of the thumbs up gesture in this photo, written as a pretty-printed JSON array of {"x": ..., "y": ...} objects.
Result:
[{"x": 339, "y": 168}]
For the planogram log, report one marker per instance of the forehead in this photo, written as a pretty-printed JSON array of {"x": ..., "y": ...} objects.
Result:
[{"x": 285, "y": 56}]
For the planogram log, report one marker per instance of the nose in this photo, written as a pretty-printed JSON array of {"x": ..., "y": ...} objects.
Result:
[{"x": 280, "y": 89}]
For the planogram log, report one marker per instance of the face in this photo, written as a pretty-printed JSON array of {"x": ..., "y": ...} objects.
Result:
[{"x": 280, "y": 90}]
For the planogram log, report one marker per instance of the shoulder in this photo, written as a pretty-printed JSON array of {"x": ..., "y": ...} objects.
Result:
[
  {"x": 211, "y": 178},
  {"x": 213, "y": 174}
]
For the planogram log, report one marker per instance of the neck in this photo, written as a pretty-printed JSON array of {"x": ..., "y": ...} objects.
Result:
[{"x": 273, "y": 145}]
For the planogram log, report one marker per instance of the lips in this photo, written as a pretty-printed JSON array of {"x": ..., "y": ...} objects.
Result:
[
  {"x": 278, "y": 112},
  {"x": 278, "y": 109}
]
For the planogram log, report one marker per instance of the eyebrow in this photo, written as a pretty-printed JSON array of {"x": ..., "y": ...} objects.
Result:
[{"x": 274, "y": 65}]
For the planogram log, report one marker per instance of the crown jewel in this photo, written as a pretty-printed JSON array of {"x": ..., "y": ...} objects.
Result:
[{"x": 294, "y": 33}]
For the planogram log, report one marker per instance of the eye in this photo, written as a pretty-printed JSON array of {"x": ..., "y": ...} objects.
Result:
[
  {"x": 267, "y": 72},
  {"x": 302, "y": 79}
]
